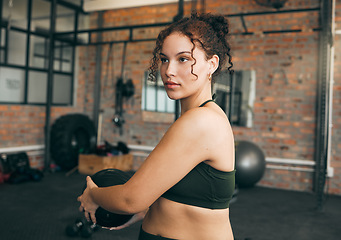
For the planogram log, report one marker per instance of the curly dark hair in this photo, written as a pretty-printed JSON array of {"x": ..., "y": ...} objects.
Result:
[{"x": 208, "y": 30}]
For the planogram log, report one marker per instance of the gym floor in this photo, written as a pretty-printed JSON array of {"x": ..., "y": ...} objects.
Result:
[{"x": 42, "y": 210}]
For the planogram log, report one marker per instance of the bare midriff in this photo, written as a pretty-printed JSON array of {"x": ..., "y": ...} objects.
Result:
[{"x": 180, "y": 221}]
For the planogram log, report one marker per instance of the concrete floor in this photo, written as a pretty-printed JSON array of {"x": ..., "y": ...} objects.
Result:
[{"x": 42, "y": 210}]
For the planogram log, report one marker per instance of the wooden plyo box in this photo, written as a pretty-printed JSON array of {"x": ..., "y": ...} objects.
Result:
[{"x": 90, "y": 163}]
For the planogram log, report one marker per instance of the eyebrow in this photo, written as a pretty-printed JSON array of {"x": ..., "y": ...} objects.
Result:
[{"x": 179, "y": 53}]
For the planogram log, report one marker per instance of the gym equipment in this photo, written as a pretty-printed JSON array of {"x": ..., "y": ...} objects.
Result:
[
  {"x": 16, "y": 168},
  {"x": 71, "y": 135},
  {"x": 81, "y": 227},
  {"x": 72, "y": 230},
  {"x": 10, "y": 163},
  {"x": 250, "y": 164},
  {"x": 88, "y": 229},
  {"x": 25, "y": 175},
  {"x": 107, "y": 178},
  {"x": 124, "y": 90},
  {"x": 109, "y": 149}
]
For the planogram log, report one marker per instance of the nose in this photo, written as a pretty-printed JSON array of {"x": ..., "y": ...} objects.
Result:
[{"x": 170, "y": 69}]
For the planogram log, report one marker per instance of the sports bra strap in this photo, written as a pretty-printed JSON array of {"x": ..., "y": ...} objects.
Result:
[{"x": 204, "y": 103}]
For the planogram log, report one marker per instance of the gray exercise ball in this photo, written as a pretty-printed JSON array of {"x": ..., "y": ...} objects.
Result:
[{"x": 250, "y": 164}]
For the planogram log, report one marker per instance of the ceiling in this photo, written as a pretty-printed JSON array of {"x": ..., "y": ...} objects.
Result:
[{"x": 100, "y": 5}]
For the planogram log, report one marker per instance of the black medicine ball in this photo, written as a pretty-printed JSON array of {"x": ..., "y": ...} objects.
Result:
[{"x": 107, "y": 178}]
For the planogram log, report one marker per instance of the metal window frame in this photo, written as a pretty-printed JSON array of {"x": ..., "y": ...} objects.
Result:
[{"x": 48, "y": 38}]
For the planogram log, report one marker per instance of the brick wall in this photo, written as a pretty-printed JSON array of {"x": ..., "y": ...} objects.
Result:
[
  {"x": 335, "y": 182},
  {"x": 286, "y": 66}
]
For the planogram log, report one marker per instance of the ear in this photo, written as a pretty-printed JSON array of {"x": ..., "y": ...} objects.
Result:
[{"x": 214, "y": 63}]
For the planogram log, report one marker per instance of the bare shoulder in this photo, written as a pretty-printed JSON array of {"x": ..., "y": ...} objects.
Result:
[
  {"x": 211, "y": 120},
  {"x": 211, "y": 130},
  {"x": 205, "y": 128}
]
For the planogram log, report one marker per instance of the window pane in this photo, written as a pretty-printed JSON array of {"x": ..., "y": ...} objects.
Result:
[
  {"x": 57, "y": 56},
  {"x": 66, "y": 59},
  {"x": 62, "y": 89},
  {"x": 3, "y": 37},
  {"x": 37, "y": 84},
  {"x": 150, "y": 99},
  {"x": 39, "y": 54},
  {"x": 17, "y": 13},
  {"x": 17, "y": 48},
  {"x": 65, "y": 19},
  {"x": 40, "y": 15},
  {"x": 12, "y": 83},
  {"x": 161, "y": 100},
  {"x": 83, "y": 21},
  {"x": 170, "y": 105}
]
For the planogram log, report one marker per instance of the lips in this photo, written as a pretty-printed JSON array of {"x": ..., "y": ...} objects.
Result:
[{"x": 171, "y": 84}]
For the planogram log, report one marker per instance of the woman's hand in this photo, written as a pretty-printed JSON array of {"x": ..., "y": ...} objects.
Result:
[
  {"x": 88, "y": 206},
  {"x": 135, "y": 218}
]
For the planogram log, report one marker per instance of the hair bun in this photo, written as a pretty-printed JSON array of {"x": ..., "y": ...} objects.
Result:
[{"x": 218, "y": 23}]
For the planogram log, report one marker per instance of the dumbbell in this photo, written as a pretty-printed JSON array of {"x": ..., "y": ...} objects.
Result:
[
  {"x": 81, "y": 227},
  {"x": 72, "y": 230},
  {"x": 88, "y": 229}
]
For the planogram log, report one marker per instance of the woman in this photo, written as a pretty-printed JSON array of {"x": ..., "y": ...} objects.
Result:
[{"x": 184, "y": 187}]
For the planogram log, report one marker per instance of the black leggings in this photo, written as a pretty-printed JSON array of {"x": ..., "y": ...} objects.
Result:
[{"x": 147, "y": 236}]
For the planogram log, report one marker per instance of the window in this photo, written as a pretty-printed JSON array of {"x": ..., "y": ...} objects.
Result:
[
  {"x": 24, "y": 53},
  {"x": 244, "y": 88},
  {"x": 39, "y": 53},
  {"x": 12, "y": 84},
  {"x": 154, "y": 96},
  {"x": 16, "y": 47},
  {"x": 37, "y": 85},
  {"x": 62, "y": 57}
]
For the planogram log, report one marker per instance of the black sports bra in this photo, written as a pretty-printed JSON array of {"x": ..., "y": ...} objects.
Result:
[{"x": 204, "y": 186}]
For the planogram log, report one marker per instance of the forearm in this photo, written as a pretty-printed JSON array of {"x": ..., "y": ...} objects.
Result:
[{"x": 113, "y": 199}]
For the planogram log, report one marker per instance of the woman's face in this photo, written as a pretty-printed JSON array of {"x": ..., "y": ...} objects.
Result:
[{"x": 177, "y": 64}]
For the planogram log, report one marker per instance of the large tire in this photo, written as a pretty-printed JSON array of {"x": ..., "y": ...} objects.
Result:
[{"x": 71, "y": 135}]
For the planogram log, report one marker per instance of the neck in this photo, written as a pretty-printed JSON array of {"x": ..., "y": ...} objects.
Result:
[{"x": 193, "y": 102}]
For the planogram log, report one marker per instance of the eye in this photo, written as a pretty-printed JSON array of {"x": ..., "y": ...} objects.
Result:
[
  {"x": 163, "y": 60},
  {"x": 183, "y": 59}
]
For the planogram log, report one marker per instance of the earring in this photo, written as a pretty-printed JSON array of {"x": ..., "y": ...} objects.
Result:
[{"x": 210, "y": 77}]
